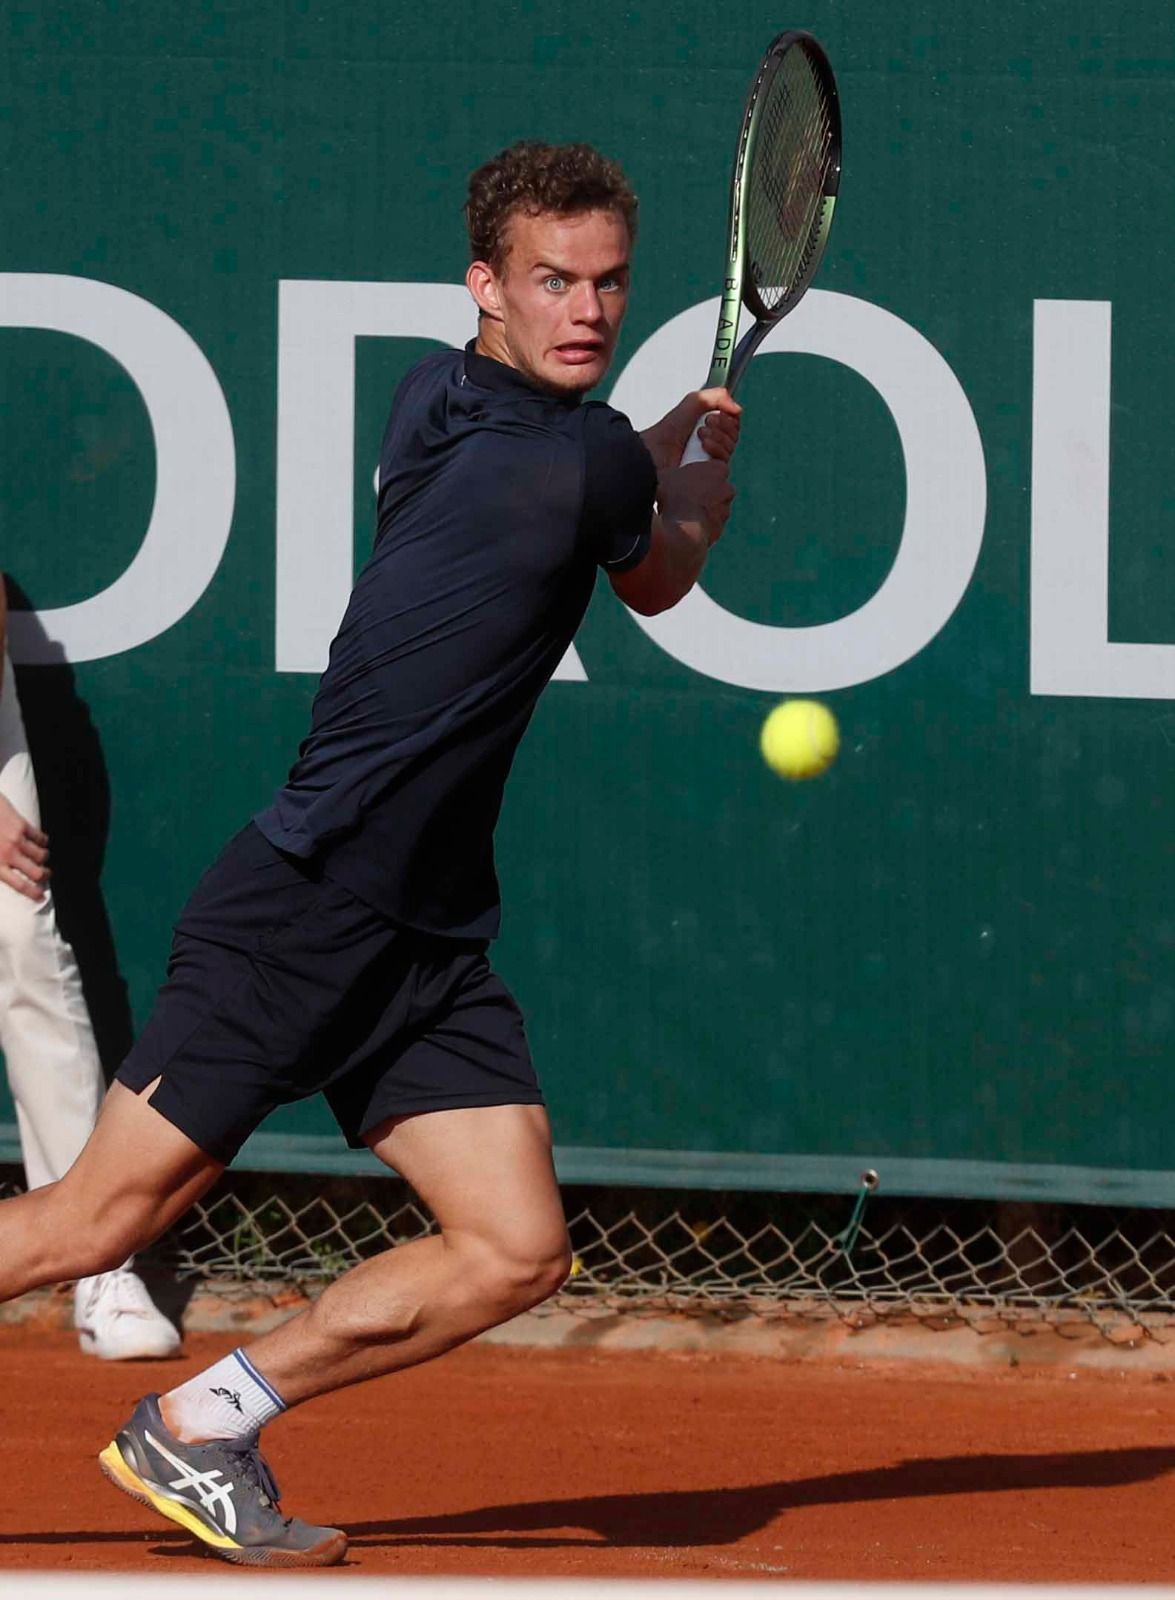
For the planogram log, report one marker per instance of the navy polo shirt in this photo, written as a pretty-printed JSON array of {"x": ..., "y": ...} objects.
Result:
[{"x": 498, "y": 502}]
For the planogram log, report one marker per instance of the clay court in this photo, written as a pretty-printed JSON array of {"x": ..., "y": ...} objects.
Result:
[{"x": 508, "y": 1462}]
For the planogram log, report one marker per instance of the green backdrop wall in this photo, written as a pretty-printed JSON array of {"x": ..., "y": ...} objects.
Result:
[{"x": 951, "y": 957}]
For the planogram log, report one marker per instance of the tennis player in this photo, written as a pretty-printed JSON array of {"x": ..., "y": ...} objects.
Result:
[{"x": 339, "y": 942}]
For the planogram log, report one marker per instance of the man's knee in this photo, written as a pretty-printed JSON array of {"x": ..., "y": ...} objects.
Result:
[
  {"x": 103, "y": 1251},
  {"x": 518, "y": 1273},
  {"x": 93, "y": 1236}
]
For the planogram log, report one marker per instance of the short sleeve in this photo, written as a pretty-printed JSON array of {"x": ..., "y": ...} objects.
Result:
[{"x": 620, "y": 486}]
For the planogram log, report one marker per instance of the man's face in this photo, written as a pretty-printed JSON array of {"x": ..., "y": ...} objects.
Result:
[{"x": 555, "y": 309}]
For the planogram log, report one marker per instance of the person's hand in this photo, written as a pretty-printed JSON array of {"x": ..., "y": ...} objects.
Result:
[
  {"x": 698, "y": 496},
  {"x": 24, "y": 853},
  {"x": 667, "y": 439}
]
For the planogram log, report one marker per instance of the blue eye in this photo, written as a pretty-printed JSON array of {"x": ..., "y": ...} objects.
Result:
[{"x": 554, "y": 283}]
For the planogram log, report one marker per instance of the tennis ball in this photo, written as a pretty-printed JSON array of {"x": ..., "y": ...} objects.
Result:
[{"x": 800, "y": 739}]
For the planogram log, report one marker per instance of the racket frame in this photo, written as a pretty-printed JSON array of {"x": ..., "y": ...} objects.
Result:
[{"x": 729, "y": 360}]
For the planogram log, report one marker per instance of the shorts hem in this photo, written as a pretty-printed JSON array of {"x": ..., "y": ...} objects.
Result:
[
  {"x": 171, "y": 1111},
  {"x": 451, "y": 1102},
  {"x": 136, "y": 1076}
]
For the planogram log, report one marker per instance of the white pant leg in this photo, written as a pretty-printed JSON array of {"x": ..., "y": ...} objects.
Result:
[{"x": 45, "y": 1032}]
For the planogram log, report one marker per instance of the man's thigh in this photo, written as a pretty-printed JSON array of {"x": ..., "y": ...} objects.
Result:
[
  {"x": 137, "y": 1173},
  {"x": 481, "y": 1170}
]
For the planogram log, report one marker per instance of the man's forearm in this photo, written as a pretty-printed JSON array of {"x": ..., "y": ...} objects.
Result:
[
  {"x": 677, "y": 554},
  {"x": 685, "y": 548}
]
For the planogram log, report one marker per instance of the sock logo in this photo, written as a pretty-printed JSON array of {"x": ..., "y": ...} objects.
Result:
[{"x": 232, "y": 1396}]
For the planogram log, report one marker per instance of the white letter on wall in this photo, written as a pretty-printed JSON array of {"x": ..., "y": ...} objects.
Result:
[
  {"x": 195, "y": 466},
  {"x": 318, "y": 323},
  {"x": 1071, "y": 648},
  {"x": 946, "y": 500}
]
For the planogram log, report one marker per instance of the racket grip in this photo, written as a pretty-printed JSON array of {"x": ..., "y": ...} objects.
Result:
[{"x": 694, "y": 450}]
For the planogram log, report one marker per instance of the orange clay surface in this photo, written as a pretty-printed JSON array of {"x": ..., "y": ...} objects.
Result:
[{"x": 506, "y": 1461}]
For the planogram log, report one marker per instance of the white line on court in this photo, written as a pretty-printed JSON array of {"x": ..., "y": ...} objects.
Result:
[{"x": 292, "y": 1586}]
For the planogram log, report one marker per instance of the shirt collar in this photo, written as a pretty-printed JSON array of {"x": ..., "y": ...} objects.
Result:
[{"x": 487, "y": 373}]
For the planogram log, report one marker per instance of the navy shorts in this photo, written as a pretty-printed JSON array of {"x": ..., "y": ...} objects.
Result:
[{"x": 281, "y": 984}]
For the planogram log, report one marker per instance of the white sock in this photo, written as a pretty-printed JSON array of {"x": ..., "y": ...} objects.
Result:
[{"x": 230, "y": 1400}]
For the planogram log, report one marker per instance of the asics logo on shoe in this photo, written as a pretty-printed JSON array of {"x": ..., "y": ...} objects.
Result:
[
  {"x": 215, "y": 1497},
  {"x": 232, "y": 1396}
]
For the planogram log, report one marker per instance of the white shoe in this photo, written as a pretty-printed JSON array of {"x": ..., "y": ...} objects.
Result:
[{"x": 117, "y": 1320}]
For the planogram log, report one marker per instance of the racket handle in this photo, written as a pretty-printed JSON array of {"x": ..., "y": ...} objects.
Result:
[{"x": 694, "y": 450}]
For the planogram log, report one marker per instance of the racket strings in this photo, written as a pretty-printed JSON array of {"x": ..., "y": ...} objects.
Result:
[
  {"x": 797, "y": 142},
  {"x": 789, "y": 172}
]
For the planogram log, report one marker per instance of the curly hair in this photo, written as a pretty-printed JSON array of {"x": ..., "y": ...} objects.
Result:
[{"x": 534, "y": 177}]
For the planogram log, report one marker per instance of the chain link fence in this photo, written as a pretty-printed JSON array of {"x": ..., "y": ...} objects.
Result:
[{"x": 988, "y": 1266}]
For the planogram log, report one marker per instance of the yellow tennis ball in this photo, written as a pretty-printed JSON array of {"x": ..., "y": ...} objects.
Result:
[{"x": 800, "y": 739}]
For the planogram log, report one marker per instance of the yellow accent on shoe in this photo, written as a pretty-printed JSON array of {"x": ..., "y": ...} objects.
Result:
[{"x": 116, "y": 1469}]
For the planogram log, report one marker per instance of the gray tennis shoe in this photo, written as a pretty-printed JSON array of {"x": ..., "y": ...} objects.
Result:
[{"x": 222, "y": 1492}]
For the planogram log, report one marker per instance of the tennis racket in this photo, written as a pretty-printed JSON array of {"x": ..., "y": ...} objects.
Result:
[{"x": 782, "y": 194}]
